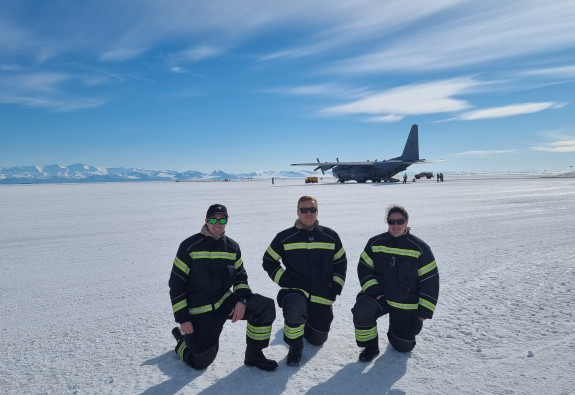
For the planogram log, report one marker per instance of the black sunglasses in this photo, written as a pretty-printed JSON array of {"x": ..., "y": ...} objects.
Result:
[
  {"x": 304, "y": 210},
  {"x": 214, "y": 221},
  {"x": 396, "y": 221}
]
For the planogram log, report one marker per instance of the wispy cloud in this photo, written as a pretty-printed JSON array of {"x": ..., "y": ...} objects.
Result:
[
  {"x": 511, "y": 110},
  {"x": 34, "y": 82},
  {"x": 10, "y": 67},
  {"x": 562, "y": 71},
  {"x": 119, "y": 55},
  {"x": 425, "y": 98},
  {"x": 487, "y": 33},
  {"x": 556, "y": 146},
  {"x": 177, "y": 70},
  {"x": 322, "y": 90},
  {"x": 341, "y": 24},
  {"x": 385, "y": 119},
  {"x": 55, "y": 105},
  {"x": 194, "y": 54},
  {"x": 483, "y": 153},
  {"x": 44, "y": 90}
]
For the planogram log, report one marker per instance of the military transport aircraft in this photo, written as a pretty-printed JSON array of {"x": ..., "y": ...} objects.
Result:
[{"x": 374, "y": 171}]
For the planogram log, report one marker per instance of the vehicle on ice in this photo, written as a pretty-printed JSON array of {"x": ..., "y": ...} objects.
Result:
[{"x": 426, "y": 174}]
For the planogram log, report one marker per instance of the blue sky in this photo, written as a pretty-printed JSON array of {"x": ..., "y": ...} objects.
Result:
[{"x": 257, "y": 85}]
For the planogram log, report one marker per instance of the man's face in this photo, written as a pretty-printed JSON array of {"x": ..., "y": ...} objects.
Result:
[
  {"x": 308, "y": 218},
  {"x": 218, "y": 228}
]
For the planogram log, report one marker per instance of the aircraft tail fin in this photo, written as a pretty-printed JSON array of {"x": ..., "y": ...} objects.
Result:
[{"x": 411, "y": 150}]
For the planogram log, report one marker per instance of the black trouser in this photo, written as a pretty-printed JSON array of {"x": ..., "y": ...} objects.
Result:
[
  {"x": 200, "y": 348},
  {"x": 303, "y": 318},
  {"x": 404, "y": 325}
]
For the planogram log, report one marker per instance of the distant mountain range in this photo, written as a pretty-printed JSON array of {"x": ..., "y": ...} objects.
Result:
[{"x": 86, "y": 173}]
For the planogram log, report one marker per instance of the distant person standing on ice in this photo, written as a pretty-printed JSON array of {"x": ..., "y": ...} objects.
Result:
[
  {"x": 399, "y": 277},
  {"x": 207, "y": 265},
  {"x": 313, "y": 274}
]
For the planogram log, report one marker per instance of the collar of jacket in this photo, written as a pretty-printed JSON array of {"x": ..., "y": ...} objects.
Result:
[
  {"x": 206, "y": 232},
  {"x": 407, "y": 230},
  {"x": 298, "y": 224}
]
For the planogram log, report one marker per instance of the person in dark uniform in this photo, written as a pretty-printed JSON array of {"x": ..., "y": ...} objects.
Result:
[
  {"x": 399, "y": 277},
  {"x": 312, "y": 275},
  {"x": 208, "y": 286}
]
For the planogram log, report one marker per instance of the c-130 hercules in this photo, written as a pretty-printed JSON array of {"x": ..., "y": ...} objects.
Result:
[{"x": 374, "y": 171}]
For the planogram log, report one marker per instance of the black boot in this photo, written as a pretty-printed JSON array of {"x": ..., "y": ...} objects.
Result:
[
  {"x": 177, "y": 333},
  {"x": 368, "y": 353},
  {"x": 294, "y": 354},
  {"x": 255, "y": 357}
]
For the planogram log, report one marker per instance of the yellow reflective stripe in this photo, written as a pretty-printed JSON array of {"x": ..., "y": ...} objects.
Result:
[
  {"x": 338, "y": 280},
  {"x": 278, "y": 275},
  {"x": 181, "y": 265},
  {"x": 221, "y": 301},
  {"x": 180, "y": 305},
  {"x": 273, "y": 254},
  {"x": 339, "y": 254},
  {"x": 398, "y": 251},
  {"x": 238, "y": 263},
  {"x": 403, "y": 306},
  {"x": 293, "y": 333},
  {"x": 309, "y": 246},
  {"x": 241, "y": 286},
  {"x": 366, "y": 259},
  {"x": 209, "y": 307},
  {"x": 301, "y": 290},
  {"x": 258, "y": 332},
  {"x": 200, "y": 310},
  {"x": 368, "y": 284},
  {"x": 320, "y": 300},
  {"x": 364, "y": 335},
  {"x": 427, "y": 304},
  {"x": 181, "y": 349},
  {"x": 427, "y": 268},
  {"x": 213, "y": 255}
]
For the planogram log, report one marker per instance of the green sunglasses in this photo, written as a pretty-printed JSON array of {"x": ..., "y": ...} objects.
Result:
[{"x": 214, "y": 221}]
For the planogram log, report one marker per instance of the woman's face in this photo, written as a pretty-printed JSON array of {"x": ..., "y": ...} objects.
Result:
[{"x": 396, "y": 229}]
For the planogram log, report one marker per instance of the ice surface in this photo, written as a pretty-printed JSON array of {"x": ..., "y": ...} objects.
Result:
[{"x": 85, "y": 309}]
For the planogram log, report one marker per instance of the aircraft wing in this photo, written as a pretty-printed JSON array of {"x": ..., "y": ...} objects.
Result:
[
  {"x": 333, "y": 164},
  {"x": 429, "y": 161}
]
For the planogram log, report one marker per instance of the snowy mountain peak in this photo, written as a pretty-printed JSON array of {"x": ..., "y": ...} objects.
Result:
[{"x": 80, "y": 172}]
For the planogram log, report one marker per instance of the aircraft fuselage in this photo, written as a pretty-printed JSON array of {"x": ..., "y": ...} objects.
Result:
[{"x": 375, "y": 173}]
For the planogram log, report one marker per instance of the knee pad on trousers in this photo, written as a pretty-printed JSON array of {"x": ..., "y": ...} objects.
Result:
[
  {"x": 261, "y": 309},
  {"x": 314, "y": 336},
  {"x": 367, "y": 310},
  {"x": 400, "y": 345},
  {"x": 294, "y": 307},
  {"x": 203, "y": 360}
]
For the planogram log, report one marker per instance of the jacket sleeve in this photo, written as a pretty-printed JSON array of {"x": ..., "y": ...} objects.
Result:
[
  {"x": 339, "y": 269},
  {"x": 241, "y": 286},
  {"x": 428, "y": 284},
  {"x": 366, "y": 274},
  {"x": 178, "y": 286},
  {"x": 271, "y": 264}
]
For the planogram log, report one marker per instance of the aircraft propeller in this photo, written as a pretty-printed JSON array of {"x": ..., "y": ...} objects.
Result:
[{"x": 319, "y": 167}]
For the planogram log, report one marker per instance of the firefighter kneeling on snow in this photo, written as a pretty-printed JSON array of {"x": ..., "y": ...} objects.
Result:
[
  {"x": 399, "y": 277},
  {"x": 207, "y": 265}
]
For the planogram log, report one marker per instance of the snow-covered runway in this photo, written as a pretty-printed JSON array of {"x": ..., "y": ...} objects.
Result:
[{"x": 84, "y": 305}]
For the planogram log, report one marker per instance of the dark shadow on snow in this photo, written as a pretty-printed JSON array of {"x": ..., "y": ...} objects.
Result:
[
  {"x": 377, "y": 377},
  {"x": 250, "y": 380},
  {"x": 180, "y": 374}
]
